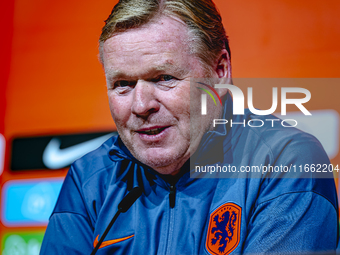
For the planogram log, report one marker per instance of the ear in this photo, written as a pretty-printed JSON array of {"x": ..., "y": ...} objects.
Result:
[{"x": 223, "y": 71}]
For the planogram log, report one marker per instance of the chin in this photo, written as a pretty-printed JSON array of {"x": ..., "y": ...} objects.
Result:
[{"x": 163, "y": 163}]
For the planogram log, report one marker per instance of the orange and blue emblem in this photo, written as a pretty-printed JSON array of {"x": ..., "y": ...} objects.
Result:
[{"x": 224, "y": 229}]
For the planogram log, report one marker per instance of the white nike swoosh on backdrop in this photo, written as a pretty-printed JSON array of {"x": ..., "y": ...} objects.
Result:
[
  {"x": 2, "y": 152},
  {"x": 56, "y": 158}
]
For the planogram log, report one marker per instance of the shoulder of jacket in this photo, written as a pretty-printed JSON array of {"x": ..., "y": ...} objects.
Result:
[
  {"x": 94, "y": 162},
  {"x": 278, "y": 137}
]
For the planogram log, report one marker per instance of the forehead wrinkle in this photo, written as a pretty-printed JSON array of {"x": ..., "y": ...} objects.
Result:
[
  {"x": 134, "y": 39},
  {"x": 163, "y": 43}
]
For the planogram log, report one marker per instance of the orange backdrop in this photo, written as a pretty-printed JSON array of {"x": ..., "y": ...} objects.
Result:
[{"x": 52, "y": 82}]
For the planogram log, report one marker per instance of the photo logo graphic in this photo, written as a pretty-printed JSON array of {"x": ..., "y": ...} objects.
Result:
[
  {"x": 239, "y": 102},
  {"x": 238, "y": 99},
  {"x": 204, "y": 97}
]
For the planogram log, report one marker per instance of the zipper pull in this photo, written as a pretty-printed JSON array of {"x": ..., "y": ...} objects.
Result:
[{"x": 172, "y": 196}]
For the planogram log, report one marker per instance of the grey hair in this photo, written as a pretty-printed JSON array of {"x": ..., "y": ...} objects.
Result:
[{"x": 205, "y": 28}]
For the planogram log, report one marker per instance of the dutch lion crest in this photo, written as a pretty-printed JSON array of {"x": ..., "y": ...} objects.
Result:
[{"x": 224, "y": 229}]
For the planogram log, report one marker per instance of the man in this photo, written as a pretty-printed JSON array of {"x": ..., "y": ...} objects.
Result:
[{"x": 151, "y": 51}]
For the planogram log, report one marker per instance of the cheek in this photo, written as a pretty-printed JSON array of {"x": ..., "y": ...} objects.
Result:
[
  {"x": 180, "y": 104},
  {"x": 120, "y": 109},
  {"x": 200, "y": 123},
  {"x": 195, "y": 104}
]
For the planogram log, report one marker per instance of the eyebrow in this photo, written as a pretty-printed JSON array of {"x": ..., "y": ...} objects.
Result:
[{"x": 174, "y": 69}]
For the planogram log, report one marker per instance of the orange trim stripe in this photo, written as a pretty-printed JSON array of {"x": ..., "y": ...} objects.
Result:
[{"x": 107, "y": 243}]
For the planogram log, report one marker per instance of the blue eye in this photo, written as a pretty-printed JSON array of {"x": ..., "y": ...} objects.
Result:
[
  {"x": 165, "y": 77},
  {"x": 124, "y": 83}
]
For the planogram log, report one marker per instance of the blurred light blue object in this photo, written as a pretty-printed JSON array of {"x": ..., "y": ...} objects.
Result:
[{"x": 29, "y": 202}]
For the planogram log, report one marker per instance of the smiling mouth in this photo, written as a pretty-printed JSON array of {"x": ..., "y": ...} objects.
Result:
[{"x": 154, "y": 131}]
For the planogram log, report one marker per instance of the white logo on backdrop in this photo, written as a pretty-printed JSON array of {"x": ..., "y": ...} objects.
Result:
[
  {"x": 55, "y": 158},
  {"x": 2, "y": 153}
]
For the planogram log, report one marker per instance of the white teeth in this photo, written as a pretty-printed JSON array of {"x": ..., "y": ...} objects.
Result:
[{"x": 153, "y": 131}]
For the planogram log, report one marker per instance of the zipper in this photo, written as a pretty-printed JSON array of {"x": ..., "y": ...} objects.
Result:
[
  {"x": 172, "y": 201},
  {"x": 172, "y": 196}
]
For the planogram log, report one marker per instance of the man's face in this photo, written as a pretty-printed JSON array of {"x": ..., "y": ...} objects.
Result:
[{"x": 148, "y": 73}]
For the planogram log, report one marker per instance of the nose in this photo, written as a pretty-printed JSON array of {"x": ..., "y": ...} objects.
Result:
[{"x": 144, "y": 99}]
